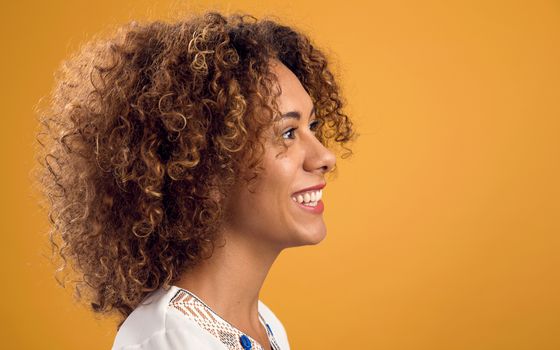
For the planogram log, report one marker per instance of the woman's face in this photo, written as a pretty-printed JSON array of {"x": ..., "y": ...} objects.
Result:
[{"x": 269, "y": 213}]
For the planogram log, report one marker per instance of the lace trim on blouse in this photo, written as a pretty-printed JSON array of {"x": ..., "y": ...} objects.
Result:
[{"x": 196, "y": 310}]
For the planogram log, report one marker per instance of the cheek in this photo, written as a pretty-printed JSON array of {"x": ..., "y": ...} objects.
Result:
[
  {"x": 281, "y": 171},
  {"x": 268, "y": 210}
]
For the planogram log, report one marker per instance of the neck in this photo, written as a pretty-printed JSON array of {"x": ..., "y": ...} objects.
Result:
[{"x": 229, "y": 282}]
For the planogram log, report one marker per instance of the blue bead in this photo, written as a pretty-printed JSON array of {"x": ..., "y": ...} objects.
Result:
[
  {"x": 270, "y": 330},
  {"x": 245, "y": 342}
]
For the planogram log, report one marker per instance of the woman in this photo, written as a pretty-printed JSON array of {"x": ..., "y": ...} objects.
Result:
[{"x": 181, "y": 159}]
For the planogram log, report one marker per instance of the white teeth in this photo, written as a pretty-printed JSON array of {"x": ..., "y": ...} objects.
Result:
[{"x": 309, "y": 198}]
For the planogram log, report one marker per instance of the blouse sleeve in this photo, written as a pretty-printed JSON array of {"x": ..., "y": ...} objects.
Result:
[
  {"x": 167, "y": 340},
  {"x": 177, "y": 335}
]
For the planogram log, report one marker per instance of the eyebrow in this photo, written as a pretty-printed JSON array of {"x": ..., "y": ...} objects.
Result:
[{"x": 296, "y": 114}]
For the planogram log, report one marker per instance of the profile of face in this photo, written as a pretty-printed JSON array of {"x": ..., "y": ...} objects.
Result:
[{"x": 270, "y": 214}]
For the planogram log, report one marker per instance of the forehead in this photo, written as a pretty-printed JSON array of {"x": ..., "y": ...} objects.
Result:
[{"x": 293, "y": 95}]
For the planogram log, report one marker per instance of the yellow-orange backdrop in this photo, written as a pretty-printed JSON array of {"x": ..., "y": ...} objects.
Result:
[{"x": 443, "y": 229}]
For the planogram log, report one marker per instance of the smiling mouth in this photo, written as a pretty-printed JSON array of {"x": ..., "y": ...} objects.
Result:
[{"x": 309, "y": 198}]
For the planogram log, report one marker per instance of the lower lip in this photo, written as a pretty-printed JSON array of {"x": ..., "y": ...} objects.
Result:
[{"x": 318, "y": 209}]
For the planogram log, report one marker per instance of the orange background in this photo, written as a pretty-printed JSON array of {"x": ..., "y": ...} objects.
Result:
[{"x": 443, "y": 229}]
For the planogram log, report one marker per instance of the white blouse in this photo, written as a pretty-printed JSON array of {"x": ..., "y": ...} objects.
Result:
[{"x": 178, "y": 319}]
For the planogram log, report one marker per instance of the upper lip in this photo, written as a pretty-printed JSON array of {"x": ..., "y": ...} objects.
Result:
[{"x": 316, "y": 187}]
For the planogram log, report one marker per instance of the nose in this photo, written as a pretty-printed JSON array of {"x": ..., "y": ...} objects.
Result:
[{"x": 318, "y": 157}]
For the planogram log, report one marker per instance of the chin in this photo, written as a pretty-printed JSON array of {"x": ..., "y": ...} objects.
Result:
[{"x": 311, "y": 238}]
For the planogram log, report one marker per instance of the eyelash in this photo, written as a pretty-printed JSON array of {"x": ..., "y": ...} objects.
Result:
[{"x": 316, "y": 124}]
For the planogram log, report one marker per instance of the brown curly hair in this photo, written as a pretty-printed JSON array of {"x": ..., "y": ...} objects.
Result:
[{"x": 145, "y": 133}]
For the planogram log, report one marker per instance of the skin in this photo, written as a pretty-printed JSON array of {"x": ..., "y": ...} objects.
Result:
[{"x": 265, "y": 220}]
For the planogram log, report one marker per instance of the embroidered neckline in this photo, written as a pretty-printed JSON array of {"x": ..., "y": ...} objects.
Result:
[{"x": 197, "y": 310}]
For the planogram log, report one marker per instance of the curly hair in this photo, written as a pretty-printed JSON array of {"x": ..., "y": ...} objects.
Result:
[{"x": 144, "y": 135}]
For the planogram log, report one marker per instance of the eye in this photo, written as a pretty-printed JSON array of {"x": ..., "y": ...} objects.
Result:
[
  {"x": 315, "y": 124},
  {"x": 289, "y": 132},
  {"x": 313, "y": 127}
]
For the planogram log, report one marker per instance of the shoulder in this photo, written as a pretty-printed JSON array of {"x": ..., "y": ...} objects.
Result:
[
  {"x": 277, "y": 328},
  {"x": 154, "y": 325},
  {"x": 175, "y": 319}
]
